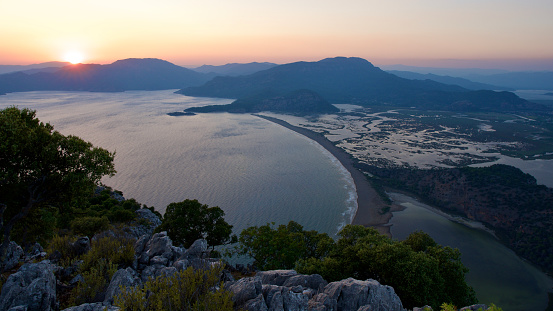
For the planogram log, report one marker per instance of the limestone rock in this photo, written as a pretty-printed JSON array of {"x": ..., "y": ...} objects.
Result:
[
  {"x": 256, "y": 304},
  {"x": 14, "y": 254},
  {"x": 123, "y": 277},
  {"x": 352, "y": 294},
  {"x": 148, "y": 215},
  {"x": 246, "y": 289},
  {"x": 276, "y": 277},
  {"x": 32, "y": 286},
  {"x": 313, "y": 281}
]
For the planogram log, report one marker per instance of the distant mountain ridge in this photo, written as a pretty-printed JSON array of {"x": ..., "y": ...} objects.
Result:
[
  {"x": 122, "y": 75},
  {"x": 14, "y": 68},
  {"x": 468, "y": 84},
  {"x": 234, "y": 69},
  {"x": 356, "y": 81}
]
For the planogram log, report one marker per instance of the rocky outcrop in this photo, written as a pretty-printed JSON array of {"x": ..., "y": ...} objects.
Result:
[
  {"x": 286, "y": 290},
  {"x": 32, "y": 287},
  {"x": 122, "y": 278}
]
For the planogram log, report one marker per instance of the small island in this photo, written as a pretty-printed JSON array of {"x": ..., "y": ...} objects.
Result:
[{"x": 180, "y": 113}]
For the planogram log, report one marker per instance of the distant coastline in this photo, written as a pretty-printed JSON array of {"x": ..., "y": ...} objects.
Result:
[{"x": 369, "y": 203}]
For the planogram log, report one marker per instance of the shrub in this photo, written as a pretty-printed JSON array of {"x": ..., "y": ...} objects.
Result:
[
  {"x": 63, "y": 244},
  {"x": 185, "y": 290},
  {"x": 96, "y": 281},
  {"x": 189, "y": 220},
  {"x": 119, "y": 251},
  {"x": 89, "y": 225}
]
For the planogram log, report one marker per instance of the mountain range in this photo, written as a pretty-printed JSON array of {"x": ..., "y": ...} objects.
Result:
[
  {"x": 332, "y": 80},
  {"x": 234, "y": 69},
  {"x": 344, "y": 80},
  {"x": 122, "y": 75}
]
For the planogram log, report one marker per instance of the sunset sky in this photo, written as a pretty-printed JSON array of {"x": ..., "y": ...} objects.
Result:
[{"x": 454, "y": 33}]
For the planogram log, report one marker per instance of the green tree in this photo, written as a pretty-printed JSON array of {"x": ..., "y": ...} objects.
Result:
[
  {"x": 421, "y": 271},
  {"x": 281, "y": 247},
  {"x": 40, "y": 168},
  {"x": 189, "y": 220}
]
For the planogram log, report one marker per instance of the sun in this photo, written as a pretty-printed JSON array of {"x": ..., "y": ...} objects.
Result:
[{"x": 74, "y": 57}]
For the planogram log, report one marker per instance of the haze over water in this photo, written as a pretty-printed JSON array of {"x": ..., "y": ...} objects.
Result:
[{"x": 256, "y": 171}]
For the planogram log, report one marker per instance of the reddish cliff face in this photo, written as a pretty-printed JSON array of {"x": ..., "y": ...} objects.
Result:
[{"x": 503, "y": 197}]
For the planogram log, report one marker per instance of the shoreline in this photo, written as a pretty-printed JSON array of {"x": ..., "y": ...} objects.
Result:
[{"x": 369, "y": 203}]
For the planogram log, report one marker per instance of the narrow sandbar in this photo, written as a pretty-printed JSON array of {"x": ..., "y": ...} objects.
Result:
[{"x": 369, "y": 203}]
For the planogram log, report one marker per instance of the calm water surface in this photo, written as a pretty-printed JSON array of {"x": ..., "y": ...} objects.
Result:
[
  {"x": 496, "y": 273},
  {"x": 255, "y": 170}
]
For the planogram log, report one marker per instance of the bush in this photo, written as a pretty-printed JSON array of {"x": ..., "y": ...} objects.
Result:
[
  {"x": 185, "y": 290},
  {"x": 89, "y": 225},
  {"x": 64, "y": 245},
  {"x": 421, "y": 271},
  {"x": 280, "y": 248},
  {"x": 189, "y": 220},
  {"x": 96, "y": 281},
  {"x": 119, "y": 251}
]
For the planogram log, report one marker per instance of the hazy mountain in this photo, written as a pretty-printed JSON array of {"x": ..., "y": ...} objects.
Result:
[
  {"x": 14, "y": 68},
  {"x": 356, "y": 81},
  {"x": 448, "y": 80},
  {"x": 453, "y": 72},
  {"x": 234, "y": 69},
  {"x": 539, "y": 80},
  {"x": 297, "y": 102},
  {"x": 122, "y": 75}
]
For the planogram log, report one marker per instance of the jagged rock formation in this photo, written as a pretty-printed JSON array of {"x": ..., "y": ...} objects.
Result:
[
  {"x": 32, "y": 287},
  {"x": 287, "y": 290}
]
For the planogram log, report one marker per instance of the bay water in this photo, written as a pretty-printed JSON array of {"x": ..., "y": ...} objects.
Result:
[{"x": 256, "y": 171}]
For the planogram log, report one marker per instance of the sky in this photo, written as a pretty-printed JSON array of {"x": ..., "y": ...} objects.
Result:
[{"x": 441, "y": 33}]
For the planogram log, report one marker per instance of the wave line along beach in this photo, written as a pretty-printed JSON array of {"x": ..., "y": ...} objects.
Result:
[{"x": 369, "y": 203}]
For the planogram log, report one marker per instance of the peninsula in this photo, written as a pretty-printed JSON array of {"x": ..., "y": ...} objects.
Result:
[{"x": 369, "y": 204}]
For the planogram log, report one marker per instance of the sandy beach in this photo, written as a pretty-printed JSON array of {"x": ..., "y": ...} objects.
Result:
[{"x": 369, "y": 203}]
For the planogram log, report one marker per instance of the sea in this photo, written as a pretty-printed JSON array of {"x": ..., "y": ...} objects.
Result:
[{"x": 258, "y": 173}]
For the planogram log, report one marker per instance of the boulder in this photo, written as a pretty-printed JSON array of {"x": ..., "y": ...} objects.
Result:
[
  {"x": 246, "y": 289},
  {"x": 159, "y": 245},
  {"x": 256, "y": 304},
  {"x": 322, "y": 302},
  {"x": 148, "y": 215},
  {"x": 313, "y": 281},
  {"x": 33, "y": 286},
  {"x": 198, "y": 250},
  {"x": 276, "y": 277},
  {"x": 295, "y": 299},
  {"x": 121, "y": 278},
  {"x": 14, "y": 254},
  {"x": 352, "y": 294},
  {"x": 273, "y": 297}
]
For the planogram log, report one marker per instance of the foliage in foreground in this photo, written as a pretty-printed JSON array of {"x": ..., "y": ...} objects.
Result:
[
  {"x": 185, "y": 290},
  {"x": 41, "y": 168},
  {"x": 421, "y": 271},
  {"x": 189, "y": 220},
  {"x": 281, "y": 247},
  {"x": 97, "y": 266}
]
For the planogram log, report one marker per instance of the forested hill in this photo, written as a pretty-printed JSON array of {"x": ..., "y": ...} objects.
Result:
[
  {"x": 122, "y": 75},
  {"x": 357, "y": 81},
  {"x": 502, "y": 197}
]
